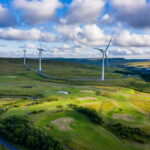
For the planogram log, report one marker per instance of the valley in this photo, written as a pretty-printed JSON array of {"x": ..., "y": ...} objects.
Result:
[{"x": 68, "y": 116}]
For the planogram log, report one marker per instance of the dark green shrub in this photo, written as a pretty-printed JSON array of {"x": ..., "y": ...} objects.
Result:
[
  {"x": 72, "y": 106},
  {"x": 91, "y": 114},
  {"x": 27, "y": 86},
  {"x": 34, "y": 103},
  {"x": 26, "y": 98},
  {"x": 15, "y": 106},
  {"x": 51, "y": 99},
  {"x": 36, "y": 111},
  {"x": 3, "y": 110},
  {"x": 19, "y": 130},
  {"x": 135, "y": 134}
]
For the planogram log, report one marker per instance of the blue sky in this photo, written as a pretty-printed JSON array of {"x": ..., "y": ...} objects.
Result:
[{"x": 72, "y": 28}]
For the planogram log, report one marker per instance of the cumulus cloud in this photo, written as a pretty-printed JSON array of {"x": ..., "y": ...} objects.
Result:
[
  {"x": 83, "y": 11},
  {"x": 88, "y": 35},
  {"x": 35, "y": 11},
  {"x": 125, "y": 51},
  {"x": 28, "y": 46},
  {"x": 131, "y": 12},
  {"x": 6, "y": 18},
  {"x": 21, "y": 35},
  {"x": 67, "y": 48},
  {"x": 130, "y": 52},
  {"x": 126, "y": 42},
  {"x": 128, "y": 39},
  {"x": 85, "y": 36},
  {"x": 92, "y": 35},
  {"x": 73, "y": 52}
]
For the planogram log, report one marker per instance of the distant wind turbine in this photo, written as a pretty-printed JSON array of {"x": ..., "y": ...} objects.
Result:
[
  {"x": 104, "y": 55},
  {"x": 40, "y": 56},
  {"x": 24, "y": 56}
]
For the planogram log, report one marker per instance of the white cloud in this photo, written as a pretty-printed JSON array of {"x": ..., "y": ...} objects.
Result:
[
  {"x": 66, "y": 48},
  {"x": 131, "y": 12},
  {"x": 88, "y": 35},
  {"x": 128, "y": 4},
  {"x": 106, "y": 20},
  {"x": 125, "y": 51},
  {"x": 21, "y": 35},
  {"x": 130, "y": 52},
  {"x": 35, "y": 11},
  {"x": 6, "y": 18},
  {"x": 128, "y": 39},
  {"x": 84, "y": 11},
  {"x": 68, "y": 32},
  {"x": 28, "y": 46},
  {"x": 126, "y": 42}
]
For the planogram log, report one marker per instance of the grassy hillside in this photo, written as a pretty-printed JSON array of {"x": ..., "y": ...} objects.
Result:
[
  {"x": 125, "y": 101},
  {"x": 65, "y": 69}
]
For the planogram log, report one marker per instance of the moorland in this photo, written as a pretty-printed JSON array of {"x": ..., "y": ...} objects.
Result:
[{"x": 63, "y": 114}]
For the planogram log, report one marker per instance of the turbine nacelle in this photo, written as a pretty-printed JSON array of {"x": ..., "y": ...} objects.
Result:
[
  {"x": 40, "y": 49},
  {"x": 104, "y": 55}
]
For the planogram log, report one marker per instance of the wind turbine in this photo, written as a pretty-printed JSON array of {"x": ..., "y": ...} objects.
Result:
[
  {"x": 24, "y": 56},
  {"x": 40, "y": 56},
  {"x": 104, "y": 55}
]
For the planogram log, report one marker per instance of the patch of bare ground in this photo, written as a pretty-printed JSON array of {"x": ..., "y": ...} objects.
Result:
[
  {"x": 87, "y": 91},
  {"x": 126, "y": 117},
  {"x": 87, "y": 98},
  {"x": 63, "y": 123},
  {"x": 8, "y": 99}
]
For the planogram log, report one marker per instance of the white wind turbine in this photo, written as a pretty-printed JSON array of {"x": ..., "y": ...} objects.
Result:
[
  {"x": 24, "y": 56},
  {"x": 104, "y": 55},
  {"x": 40, "y": 56}
]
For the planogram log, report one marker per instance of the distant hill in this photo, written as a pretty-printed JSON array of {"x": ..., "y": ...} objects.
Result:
[{"x": 117, "y": 62}]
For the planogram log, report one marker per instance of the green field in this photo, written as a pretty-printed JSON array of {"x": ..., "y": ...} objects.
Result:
[
  {"x": 142, "y": 64},
  {"x": 71, "y": 70},
  {"x": 120, "y": 100}
]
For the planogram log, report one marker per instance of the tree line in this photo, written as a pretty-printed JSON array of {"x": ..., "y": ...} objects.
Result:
[
  {"x": 129, "y": 133},
  {"x": 19, "y": 130}
]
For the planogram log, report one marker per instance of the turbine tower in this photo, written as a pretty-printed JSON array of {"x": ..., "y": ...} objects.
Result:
[
  {"x": 40, "y": 56},
  {"x": 104, "y": 55},
  {"x": 24, "y": 56}
]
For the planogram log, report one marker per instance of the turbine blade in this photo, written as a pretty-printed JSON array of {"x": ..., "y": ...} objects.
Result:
[
  {"x": 40, "y": 44},
  {"x": 107, "y": 62},
  {"x": 99, "y": 49},
  {"x": 109, "y": 43},
  {"x": 96, "y": 48}
]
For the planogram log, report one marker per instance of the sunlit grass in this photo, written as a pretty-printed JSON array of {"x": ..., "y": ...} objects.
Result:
[
  {"x": 84, "y": 135},
  {"x": 142, "y": 104},
  {"x": 145, "y": 64}
]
